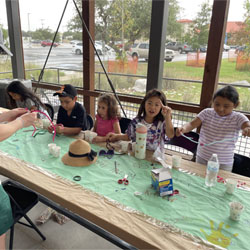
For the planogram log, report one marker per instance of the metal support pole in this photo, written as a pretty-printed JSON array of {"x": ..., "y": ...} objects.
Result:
[
  {"x": 158, "y": 30},
  {"x": 15, "y": 35}
]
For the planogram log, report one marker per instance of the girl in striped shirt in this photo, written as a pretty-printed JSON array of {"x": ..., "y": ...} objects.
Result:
[{"x": 219, "y": 123}]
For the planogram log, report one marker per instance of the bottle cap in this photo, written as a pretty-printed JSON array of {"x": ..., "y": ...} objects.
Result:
[{"x": 140, "y": 128}]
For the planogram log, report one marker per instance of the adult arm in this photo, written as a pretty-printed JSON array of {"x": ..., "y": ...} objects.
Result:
[
  {"x": 6, "y": 130},
  {"x": 12, "y": 114}
]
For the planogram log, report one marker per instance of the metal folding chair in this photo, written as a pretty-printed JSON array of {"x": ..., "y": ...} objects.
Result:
[
  {"x": 241, "y": 165},
  {"x": 183, "y": 142},
  {"x": 22, "y": 200},
  {"x": 124, "y": 122}
]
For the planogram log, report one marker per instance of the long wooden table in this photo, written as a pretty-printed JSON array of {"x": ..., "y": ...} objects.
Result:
[{"x": 130, "y": 227}]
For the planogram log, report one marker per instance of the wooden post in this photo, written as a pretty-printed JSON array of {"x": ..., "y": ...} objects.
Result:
[
  {"x": 214, "y": 51},
  {"x": 88, "y": 14}
]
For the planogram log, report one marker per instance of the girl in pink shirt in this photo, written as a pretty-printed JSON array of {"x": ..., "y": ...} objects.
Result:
[{"x": 106, "y": 118}]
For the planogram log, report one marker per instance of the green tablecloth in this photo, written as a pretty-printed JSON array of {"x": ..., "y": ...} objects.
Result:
[{"x": 197, "y": 210}]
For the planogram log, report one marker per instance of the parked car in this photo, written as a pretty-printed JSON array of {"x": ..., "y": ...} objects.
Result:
[
  {"x": 73, "y": 42},
  {"x": 178, "y": 46},
  {"x": 226, "y": 47},
  {"x": 240, "y": 49},
  {"x": 48, "y": 43},
  {"x": 36, "y": 41},
  {"x": 140, "y": 51},
  {"x": 78, "y": 48}
]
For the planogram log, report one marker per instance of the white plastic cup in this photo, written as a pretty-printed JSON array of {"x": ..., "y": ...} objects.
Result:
[
  {"x": 236, "y": 209},
  {"x": 230, "y": 185},
  {"x": 56, "y": 151},
  {"x": 46, "y": 123},
  {"x": 89, "y": 135},
  {"x": 176, "y": 161},
  {"x": 131, "y": 146},
  {"x": 51, "y": 147},
  {"x": 124, "y": 146}
]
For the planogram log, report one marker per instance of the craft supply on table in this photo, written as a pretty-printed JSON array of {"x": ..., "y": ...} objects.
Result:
[
  {"x": 124, "y": 180},
  {"x": 211, "y": 143}
]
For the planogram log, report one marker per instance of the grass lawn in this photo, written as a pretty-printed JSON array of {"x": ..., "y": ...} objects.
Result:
[{"x": 177, "y": 91}]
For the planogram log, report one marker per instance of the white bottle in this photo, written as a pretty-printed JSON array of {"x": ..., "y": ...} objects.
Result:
[{"x": 212, "y": 171}]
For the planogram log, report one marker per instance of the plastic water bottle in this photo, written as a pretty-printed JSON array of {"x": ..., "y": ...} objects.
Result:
[{"x": 212, "y": 171}]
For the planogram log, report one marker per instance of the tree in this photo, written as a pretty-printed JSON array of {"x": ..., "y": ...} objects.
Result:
[
  {"x": 241, "y": 37},
  {"x": 198, "y": 34},
  {"x": 174, "y": 29},
  {"x": 44, "y": 34},
  {"x": 126, "y": 18}
]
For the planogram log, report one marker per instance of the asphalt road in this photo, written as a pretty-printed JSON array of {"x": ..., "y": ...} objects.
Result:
[{"x": 63, "y": 57}]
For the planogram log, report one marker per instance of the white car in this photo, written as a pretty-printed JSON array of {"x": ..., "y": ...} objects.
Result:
[
  {"x": 78, "y": 48},
  {"x": 226, "y": 47}
]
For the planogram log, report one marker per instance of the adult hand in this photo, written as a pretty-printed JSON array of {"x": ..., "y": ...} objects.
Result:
[
  {"x": 50, "y": 129},
  {"x": 12, "y": 114},
  {"x": 28, "y": 119}
]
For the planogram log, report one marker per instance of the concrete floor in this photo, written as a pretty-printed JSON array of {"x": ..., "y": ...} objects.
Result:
[{"x": 68, "y": 236}]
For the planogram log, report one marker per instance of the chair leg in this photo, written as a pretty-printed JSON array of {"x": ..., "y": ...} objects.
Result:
[
  {"x": 34, "y": 227},
  {"x": 11, "y": 237}
]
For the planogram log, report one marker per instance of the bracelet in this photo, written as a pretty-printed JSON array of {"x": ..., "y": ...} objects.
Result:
[{"x": 20, "y": 118}]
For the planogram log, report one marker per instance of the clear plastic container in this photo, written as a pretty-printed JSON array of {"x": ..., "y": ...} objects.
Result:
[{"x": 212, "y": 171}]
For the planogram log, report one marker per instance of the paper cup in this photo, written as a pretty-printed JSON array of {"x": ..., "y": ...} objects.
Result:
[
  {"x": 236, "y": 209},
  {"x": 176, "y": 161},
  {"x": 230, "y": 185}
]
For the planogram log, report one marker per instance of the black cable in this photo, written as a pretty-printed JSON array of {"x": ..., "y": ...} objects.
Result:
[
  {"x": 42, "y": 71},
  {"x": 92, "y": 42}
]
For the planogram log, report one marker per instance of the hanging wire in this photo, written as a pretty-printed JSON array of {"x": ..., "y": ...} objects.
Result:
[
  {"x": 53, "y": 41},
  {"x": 92, "y": 42}
]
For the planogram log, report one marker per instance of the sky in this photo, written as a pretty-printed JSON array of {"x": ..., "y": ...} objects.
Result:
[{"x": 43, "y": 13}]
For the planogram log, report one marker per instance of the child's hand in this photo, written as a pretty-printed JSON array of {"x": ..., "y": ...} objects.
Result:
[
  {"x": 112, "y": 137},
  {"x": 246, "y": 131},
  {"x": 179, "y": 131},
  {"x": 50, "y": 129},
  {"x": 166, "y": 111},
  {"x": 33, "y": 108}
]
